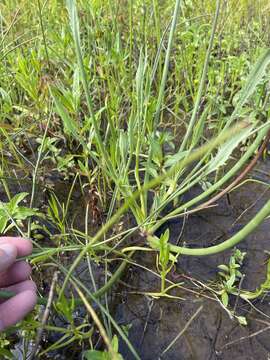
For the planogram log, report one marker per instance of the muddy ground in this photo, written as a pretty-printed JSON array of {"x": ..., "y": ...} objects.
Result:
[{"x": 155, "y": 323}]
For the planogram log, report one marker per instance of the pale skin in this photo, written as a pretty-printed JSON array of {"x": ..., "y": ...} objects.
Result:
[{"x": 14, "y": 276}]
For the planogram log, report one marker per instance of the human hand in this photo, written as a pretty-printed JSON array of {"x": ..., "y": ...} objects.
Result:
[{"x": 14, "y": 277}]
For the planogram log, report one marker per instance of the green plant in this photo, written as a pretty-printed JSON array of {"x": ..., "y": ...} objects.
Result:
[
  {"x": 101, "y": 355},
  {"x": 230, "y": 284},
  {"x": 230, "y": 276},
  {"x": 4, "y": 345},
  {"x": 125, "y": 98},
  {"x": 11, "y": 213},
  {"x": 165, "y": 260}
]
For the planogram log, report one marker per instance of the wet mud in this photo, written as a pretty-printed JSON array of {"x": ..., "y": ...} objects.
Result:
[
  {"x": 157, "y": 327},
  {"x": 156, "y": 323}
]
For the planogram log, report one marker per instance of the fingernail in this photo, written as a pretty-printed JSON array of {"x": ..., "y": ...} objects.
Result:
[{"x": 7, "y": 250}]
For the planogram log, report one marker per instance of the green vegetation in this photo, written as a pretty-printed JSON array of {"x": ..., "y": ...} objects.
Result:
[
  {"x": 231, "y": 278},
  {"x": 129, "y": 104}
]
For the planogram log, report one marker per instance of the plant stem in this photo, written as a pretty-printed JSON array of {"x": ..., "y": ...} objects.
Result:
[
  {"x": 150, "y": 185},
  {"x": 99, "y": 293},
  {"x": 43, "y": 33},
  {"x": 251, "y": 150},
  {"x": 202, "y": 82},
  {"x": 166, "y": 64},
  {"x": 234, "y": 240}
]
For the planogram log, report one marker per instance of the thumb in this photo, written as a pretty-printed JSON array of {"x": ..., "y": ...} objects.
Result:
[{"x": 8, "y": 255}]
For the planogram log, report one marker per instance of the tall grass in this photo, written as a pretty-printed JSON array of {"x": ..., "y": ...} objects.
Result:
[{"x": 139, "y": 103}]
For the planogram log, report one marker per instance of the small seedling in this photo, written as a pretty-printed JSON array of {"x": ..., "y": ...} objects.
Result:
[
  {"x": 165, "y": 260},
  {"x": 231, "y": 276},
  {"x": 12, "y": 214},
  {"x": 103, "y": 355}
]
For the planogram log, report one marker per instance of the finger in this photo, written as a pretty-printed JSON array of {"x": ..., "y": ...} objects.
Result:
[
  {"x": 24, "y": 246},
  {"x": 17, "y": 272},
  {"x": 18, "y": 288},
  {"x": 22, "y": 286},
  {"x": 15, "y": 309},
  {"x": 8, "y": 254}
]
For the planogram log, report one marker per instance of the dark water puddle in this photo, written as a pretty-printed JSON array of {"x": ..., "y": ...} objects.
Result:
[{"x": 155, "y": 323}]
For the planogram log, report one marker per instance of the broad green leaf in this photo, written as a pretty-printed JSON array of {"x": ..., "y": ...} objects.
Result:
[
  {"x": 66, "y": 307},
  {"x": 165, "y": 236},
  {"x": 157, "y": 154}
]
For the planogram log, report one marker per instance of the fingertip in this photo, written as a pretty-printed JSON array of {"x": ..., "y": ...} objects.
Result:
[
  {"x": 28, "y": 285},
  {"x": 8, "y": 254},
  {"x": 30, "y": 297},
  {"x": 24, "y": 246}
]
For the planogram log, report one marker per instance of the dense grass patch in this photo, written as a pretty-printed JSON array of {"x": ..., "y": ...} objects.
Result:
[{"x": 110, "y": 112}]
